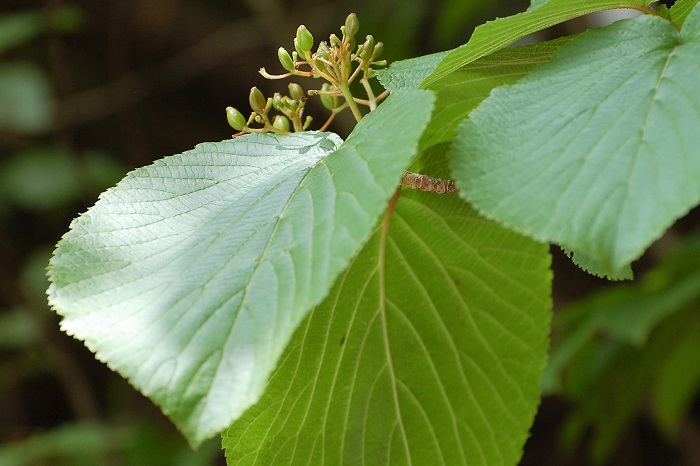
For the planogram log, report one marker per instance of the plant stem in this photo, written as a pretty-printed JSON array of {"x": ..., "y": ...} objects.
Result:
[
  {"x": 428, "y": 183},
  {"x": 370, "y": 94},
  {"x": 351, "y": 101}
]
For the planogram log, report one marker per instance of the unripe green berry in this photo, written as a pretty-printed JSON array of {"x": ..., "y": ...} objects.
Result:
[
  {"x": 305, "y": 39},
  {"x": 285, "y": 59},
  {"x": 281, "y": 122},
  {"x": 235, "y": 119},
  {"x": 277, "y": 101},
  {"x": 257, "y": 100},
  {"x": 352, "y": 25},
  {"x": 295, "y": 91}
]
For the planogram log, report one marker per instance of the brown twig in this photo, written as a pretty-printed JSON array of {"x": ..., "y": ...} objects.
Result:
[{"x": 427, "y": 183}]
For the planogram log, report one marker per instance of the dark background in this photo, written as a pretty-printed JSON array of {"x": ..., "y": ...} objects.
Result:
[{"x": 109, "y": 86}]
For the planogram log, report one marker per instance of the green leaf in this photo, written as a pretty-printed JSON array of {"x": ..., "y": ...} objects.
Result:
[
  {"x": 80, "y": 444},
  {"x": 628, "y": 312},
  {"x": 681, "y": 9},
  {"x": 459, "y": 92},
  {"x": 40, "y": 178},
  {"x": 594, "y": 267},
  {"x": 408, "y": 74},
  {"x": 678, "y": 379},
  {"x": 191, "y": 275},
  {"x": 630, "y": 343},
  {"x": 595, "y": 150},
  {"x": 610, "y": 382},
  {"x": 428, "y": 350},
  {"x": 19, "y": 28},
  {"x": 502, "y": 32}
]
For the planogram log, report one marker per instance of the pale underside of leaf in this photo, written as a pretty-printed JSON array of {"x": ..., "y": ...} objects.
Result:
[
  {"x": 428, "y": 350},
  {"x": 191, "y": 275},
  {"x": 597, "y": 150}
]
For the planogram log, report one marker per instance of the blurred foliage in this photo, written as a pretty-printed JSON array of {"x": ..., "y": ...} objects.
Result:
[
  {"x": 90, "y": 90},
  {"x": 628, "y": 350}
]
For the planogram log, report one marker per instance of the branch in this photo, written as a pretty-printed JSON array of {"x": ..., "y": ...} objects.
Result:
[{"x": 427, "y": 183}]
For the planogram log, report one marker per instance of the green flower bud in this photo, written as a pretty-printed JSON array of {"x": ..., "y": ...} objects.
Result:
[
  {"x": 367, "y": 49},
  {"x": 328, "y": 101},
  {"x": 378, "y": 49},
  {"x": 320, "y": 66},
  {"x": 257, "y": 100},
  {"x": 297, "y": 47},
  {"x": 323, "y": 51},
  {"x": 351, "y": 44},
  {"x": 295, "y": 91},
  {"x": 305, "y": 39},
  {"x": 235, "y": 119},
  {"x": 307, "y": 122},
  {"x": 335, "y": 41},
  {"x": 277, "y": 101},
  {"x": 285, "y": 59},
  {"x": 352, "y": 25},
  {"x": 281, "y": 122},
  {"x": 289, "y": 103}
]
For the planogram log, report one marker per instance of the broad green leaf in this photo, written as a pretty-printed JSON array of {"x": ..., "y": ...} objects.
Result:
[
  {"x": 502, "y": 32},
  {"x": 594, "y": 266},
  {"x": 428, "y": 350},
  {"x": 190, "y": 276},
  {"x": 681, "y": 9},
  {"x": 459, "y": 92},
  {"x": 596, "y": 150}
]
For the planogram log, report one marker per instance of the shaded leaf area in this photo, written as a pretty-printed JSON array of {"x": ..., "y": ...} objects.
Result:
[
  {"x": 190, "y": 276},
  {"x": 501, "y": 32},
  {"x": 89, "y": 443},
  {"x": 427, "y": 351},
  {"x": 595, "y": 150},
  {"x": 628, "y": 348}
]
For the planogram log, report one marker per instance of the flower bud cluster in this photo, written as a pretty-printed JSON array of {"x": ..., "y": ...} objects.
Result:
[
  {"x": 338, "y": 61},
  {"x": 290, "y": 108}
]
